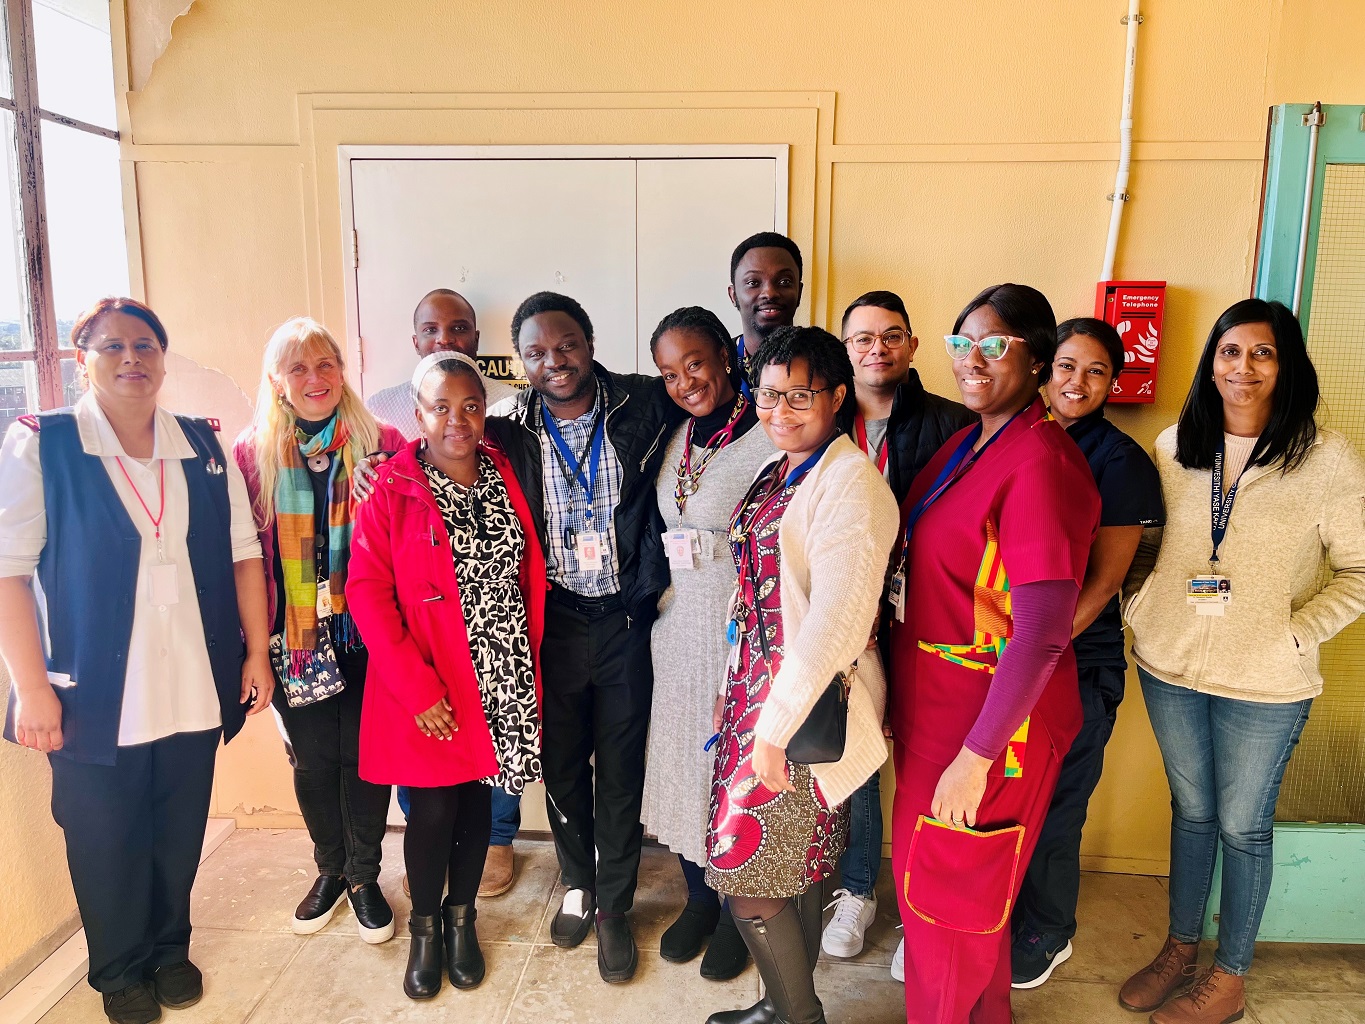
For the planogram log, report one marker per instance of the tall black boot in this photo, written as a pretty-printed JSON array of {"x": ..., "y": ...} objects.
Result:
[
  {"x": 464, "y": 959},
  {"x": 811, "y": 906},
  {"x": 422, "y": 979},
  {"x": 779, "y": 949}
]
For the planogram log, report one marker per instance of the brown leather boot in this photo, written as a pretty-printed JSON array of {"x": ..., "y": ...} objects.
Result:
[
  {"x": 1216, "y": 997},
  {"x": 1160, "y": 979},
  {"x": 498, "y": 873}
]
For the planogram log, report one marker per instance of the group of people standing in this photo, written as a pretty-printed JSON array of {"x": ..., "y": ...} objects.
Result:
[{"x": 696, "y": 606}]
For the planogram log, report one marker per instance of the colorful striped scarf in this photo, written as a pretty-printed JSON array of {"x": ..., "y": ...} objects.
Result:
[{"x": 294, "y": 524}]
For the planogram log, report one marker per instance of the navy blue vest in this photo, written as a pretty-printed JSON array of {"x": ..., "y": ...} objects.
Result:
[{"x": 89, "y": 570}]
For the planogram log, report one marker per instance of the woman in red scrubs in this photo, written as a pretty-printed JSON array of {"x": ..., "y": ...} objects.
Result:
[{"x": 984, "y": 699}]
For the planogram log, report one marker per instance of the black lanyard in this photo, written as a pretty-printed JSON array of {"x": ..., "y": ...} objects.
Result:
[{"x": 1220, "y": 507}]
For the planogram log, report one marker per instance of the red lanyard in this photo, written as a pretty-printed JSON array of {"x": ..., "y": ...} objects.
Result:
[
  {"x": 161, "y": 511},
  {"x": 860, "y": 431}
]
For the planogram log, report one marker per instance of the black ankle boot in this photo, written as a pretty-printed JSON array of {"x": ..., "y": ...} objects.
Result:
[
  {"x": 762, "y": 1012},
  {"x": 726, "y": 955},
  {"x": 422, "y": 980},
  {"x": 784, "y": 963},
  {"x": 464, "y": 959}
]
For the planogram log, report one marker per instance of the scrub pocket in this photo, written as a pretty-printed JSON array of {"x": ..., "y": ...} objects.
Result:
[{"x": 962, "y": 879}]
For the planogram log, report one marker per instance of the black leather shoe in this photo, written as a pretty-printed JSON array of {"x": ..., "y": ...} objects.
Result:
[
  {"x": 464, "y": 959},
  {"x": 177, "y": 986},
  {"x": 316, "y": 909},
  {"x": 762, "y": 1012},
  {"x": 373, "y": 915},
  {"x": 726, "y": 955},
  {"x": 616, "y": 952},
  {"x": 569, "y": 930},
  {"x": 682, "y": 941},
  {"x": 422, "y": 978},
  {"x": 132, "y": 1005}
]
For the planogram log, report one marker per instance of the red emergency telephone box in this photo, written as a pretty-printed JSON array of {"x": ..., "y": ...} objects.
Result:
[{"x": 1135, "y": 309}]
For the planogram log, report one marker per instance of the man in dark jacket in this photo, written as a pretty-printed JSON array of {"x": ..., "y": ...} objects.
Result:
[
  {"x": 900, "y": 426},
  {"x": 602, "y": 437}
]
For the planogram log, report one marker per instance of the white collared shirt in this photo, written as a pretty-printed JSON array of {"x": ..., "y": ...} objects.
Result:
[{"x": 169, "y": 686}]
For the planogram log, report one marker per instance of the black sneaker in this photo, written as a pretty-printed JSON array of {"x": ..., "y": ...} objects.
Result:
[
  {"x": 132, "y": 1005},
  {"x": 316, "y": 909},
  {"x": 1033, "y": 959},
  {"x": 177, "y": 986},
  {"x": 373, "y": 915}
]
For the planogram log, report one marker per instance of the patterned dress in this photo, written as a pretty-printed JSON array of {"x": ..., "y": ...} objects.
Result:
[
  {"x": 762, "y": 843},
  {"x": 487, "y": 541}
]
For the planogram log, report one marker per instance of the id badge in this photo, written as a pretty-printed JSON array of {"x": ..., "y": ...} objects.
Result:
[
  {"x": 679, "y": 545},
  {"x": 1210, "y": 595},
  {"x": 324, "y": 598},
  {"x": 163, "y": 585},
  {"x": 588, "y": 550},
  {"x": 895, "y": 593}
]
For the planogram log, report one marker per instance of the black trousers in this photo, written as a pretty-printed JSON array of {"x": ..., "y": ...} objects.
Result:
[
  {"x": 134, "y": 831},
  {"x": 1047, "y": 901},
  {"x": 447, "y": 843},
  {"x": 345, "y": 815},
  {"x": 598, "y": 681}
]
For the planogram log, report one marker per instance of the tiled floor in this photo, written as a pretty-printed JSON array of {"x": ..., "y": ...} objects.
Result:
[{"x": 256, "y": 970}]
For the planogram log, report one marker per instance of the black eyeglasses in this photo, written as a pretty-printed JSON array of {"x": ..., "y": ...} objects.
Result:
[{"x": 799, "y": 399}]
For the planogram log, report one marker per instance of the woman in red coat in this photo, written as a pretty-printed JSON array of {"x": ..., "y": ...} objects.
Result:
[{"x": 447, "y": 586}]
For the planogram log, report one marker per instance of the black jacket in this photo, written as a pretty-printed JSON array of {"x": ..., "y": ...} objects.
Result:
[
  {"x": 920, "y": 424},
  {"x": 640, "y": 416}
]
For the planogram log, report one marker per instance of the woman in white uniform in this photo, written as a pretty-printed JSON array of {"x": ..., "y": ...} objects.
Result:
[{"x": 140, "y": 535}]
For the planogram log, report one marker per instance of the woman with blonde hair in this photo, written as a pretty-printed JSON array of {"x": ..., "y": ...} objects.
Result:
[{"x": 298, "y": 457}]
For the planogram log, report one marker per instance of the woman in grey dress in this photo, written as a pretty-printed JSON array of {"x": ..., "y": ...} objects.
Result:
[{"x": 710, "y": 462}]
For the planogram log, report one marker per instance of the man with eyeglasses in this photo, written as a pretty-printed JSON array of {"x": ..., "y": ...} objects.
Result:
[{"x": 899, "y": 425}]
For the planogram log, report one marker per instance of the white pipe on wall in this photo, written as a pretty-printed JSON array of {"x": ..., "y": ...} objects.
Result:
[
  {"x": 1314, "y": 120},
  {"x": 1125, "y": 143}
]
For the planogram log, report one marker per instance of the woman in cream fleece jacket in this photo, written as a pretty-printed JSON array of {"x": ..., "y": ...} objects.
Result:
[
  {"x": 1228, "y": 684},
  {"x": 811, "y": 541}
]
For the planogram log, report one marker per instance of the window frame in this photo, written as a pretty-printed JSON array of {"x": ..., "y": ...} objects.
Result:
[{"x": 39, "y": 307}]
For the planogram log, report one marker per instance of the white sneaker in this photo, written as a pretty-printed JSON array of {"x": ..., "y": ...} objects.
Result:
[
  {"x": 852, "y": 914},
  {"x": 898, "y": 964}
]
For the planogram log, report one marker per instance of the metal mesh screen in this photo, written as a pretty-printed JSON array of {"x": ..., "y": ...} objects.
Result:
[{"x": 1326, "y": 778}]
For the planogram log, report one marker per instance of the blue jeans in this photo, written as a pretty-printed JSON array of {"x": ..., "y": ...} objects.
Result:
[
  {"x": 506, "y": 814},
  {"x": 862, "y": 861},
  {"x": 1225, "y": 760}
]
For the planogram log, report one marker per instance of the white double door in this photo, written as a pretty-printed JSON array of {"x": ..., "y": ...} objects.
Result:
[{"x": 630, "y": 237}]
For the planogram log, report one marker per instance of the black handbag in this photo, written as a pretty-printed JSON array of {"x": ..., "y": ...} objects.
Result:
[{"x": 821, "y": 737}]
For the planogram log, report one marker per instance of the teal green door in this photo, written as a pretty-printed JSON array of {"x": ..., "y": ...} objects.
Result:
[{"x": 1320, "y": 848}]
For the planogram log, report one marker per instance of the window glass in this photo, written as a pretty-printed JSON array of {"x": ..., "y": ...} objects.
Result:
[
  {"x": 75, "y": 59},
  {"x": 84, "y": 221},
  {"x": 18, "y": 392},
  {"x": 6, "y": 81},
  {"x": 14, "y": 322}
]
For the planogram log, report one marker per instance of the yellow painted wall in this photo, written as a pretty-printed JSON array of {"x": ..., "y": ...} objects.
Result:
[
  {"x": 935, "y": 148},
  {"x": 39, "y": 903}
]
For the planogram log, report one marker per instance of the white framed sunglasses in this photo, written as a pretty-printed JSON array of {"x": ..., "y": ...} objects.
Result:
[{"x": 992, "y": 347}]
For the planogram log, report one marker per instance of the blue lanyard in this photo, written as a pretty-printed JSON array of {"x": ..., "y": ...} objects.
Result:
[
  {"x": 588, "y": 483},
  {"x": 949, "y": 475},
  {"x": 805, "y": 467},
  {"x": 1220, "y": 508},
  {"x": 743, "y": 366}
]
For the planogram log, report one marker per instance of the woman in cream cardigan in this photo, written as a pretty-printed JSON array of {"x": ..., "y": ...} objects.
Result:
[
  {"x": 811, "y": 541},
  {"x": 1227, "y": 626}
]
